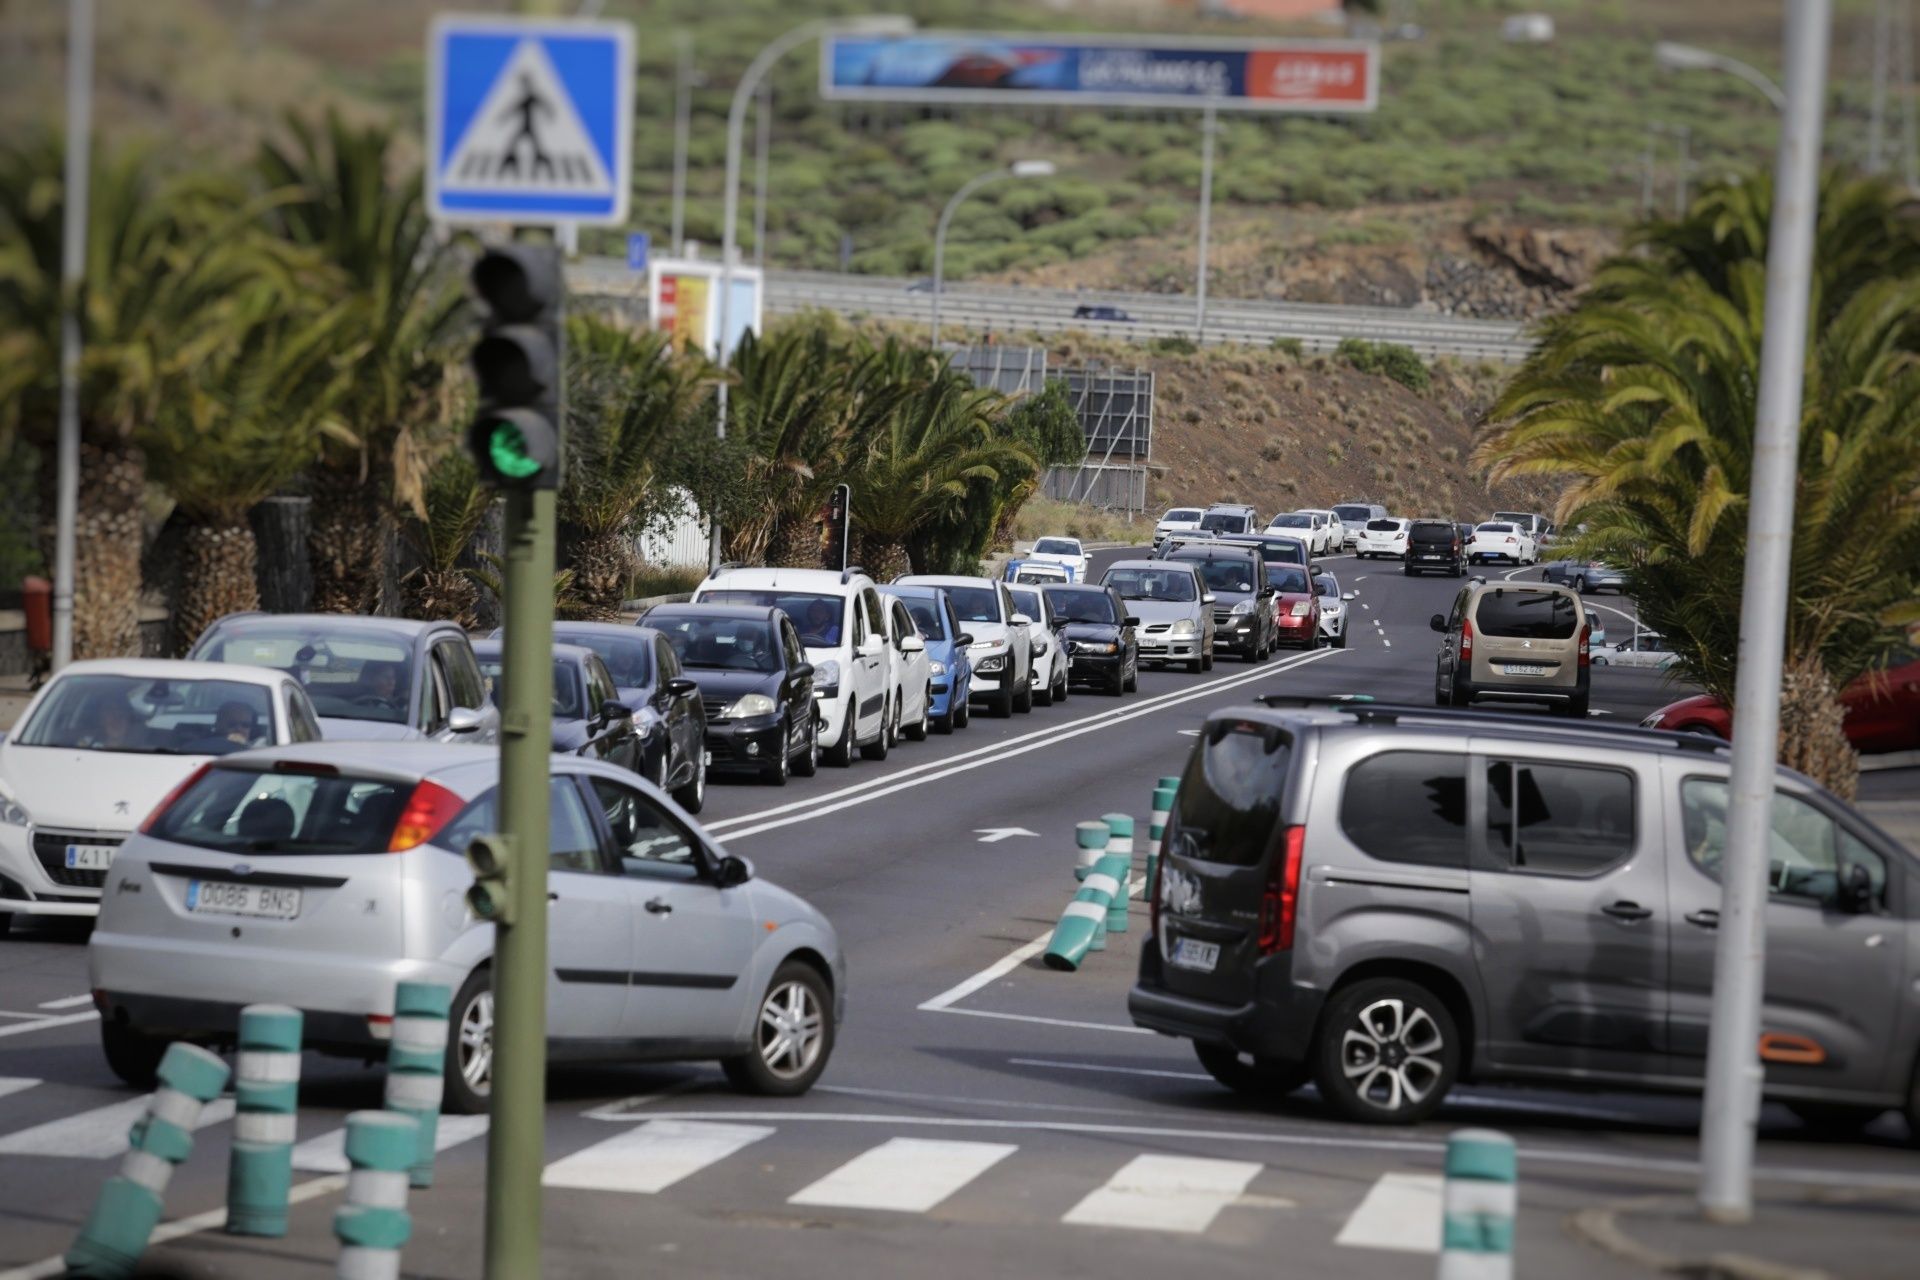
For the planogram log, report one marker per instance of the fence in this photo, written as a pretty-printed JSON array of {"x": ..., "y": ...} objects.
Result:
[{"x": 682, "y": 544}]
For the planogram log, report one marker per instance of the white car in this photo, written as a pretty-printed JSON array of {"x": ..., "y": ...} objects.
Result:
[
  {"x": 1498, "y": 540},
  {"x": 101, "y": 745},
  {"x": 1645, "y": 649},
  {"x": 1177, "y": 520},
  {"x": 1333, "y": 533},
  {"x": 1311, "y": 527},
  {"x": 1051, "y": 661},
  {"x": 1002, "y": 648},
  {"x": 912, "y": 671},
  {"x": 1065, "y": 552},
  {"x": 844, "y": 628},
  {"x": 1383, "y": 537},
  {"x": 1333, "y": 609},
  {"x": 1353, "y": 517}
]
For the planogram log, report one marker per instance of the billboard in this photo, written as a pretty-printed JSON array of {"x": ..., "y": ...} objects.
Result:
[
  {"x": 1006, "y": 68},
  {"x": 684, "y": 303}
]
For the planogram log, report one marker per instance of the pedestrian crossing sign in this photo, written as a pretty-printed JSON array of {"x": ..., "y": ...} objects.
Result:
[{"x": 529, "y": 122}]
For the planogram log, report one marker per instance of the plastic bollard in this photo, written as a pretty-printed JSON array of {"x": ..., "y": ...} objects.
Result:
[
  {"x": 1120, "y": 867},
  {"x": 1168, "y": 783},
  {"x": 266, "y": 1089},
  {"x": 1083, "y": 925},
  {"x": 1477, "y": 1206},
  {"x": 373, "y": 1225},
  {"x": 109, "y": 1245},
  {"x": 1157, "y": 831},
  {"x": 1091, "y": 837},
  {"x": 416, "y": 1063}
]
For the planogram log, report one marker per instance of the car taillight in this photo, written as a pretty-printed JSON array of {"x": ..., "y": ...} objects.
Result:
[
  {"x": 1280, "y": 902},
  {"x": 429, "y": 808},
  {"x": 1586, "y": 638},
  {"x": 167, "y": 802},
  {"x": 1512, "y": 539},
  {"x": 1466, "y": 640},
  {"x": 1153, "y": 891}
]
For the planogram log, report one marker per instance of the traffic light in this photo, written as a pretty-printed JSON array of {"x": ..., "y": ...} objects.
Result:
[
  {"x": 833, "y": 534},
  {"x": 491, "y": 897},
  {"x": 515, "y": 440}
]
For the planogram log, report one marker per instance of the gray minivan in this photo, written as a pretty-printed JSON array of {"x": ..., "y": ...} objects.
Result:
[{"x": 1388, "y": 900}]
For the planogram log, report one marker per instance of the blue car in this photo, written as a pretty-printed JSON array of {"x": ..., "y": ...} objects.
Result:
[{"x": 951, "y": 673}]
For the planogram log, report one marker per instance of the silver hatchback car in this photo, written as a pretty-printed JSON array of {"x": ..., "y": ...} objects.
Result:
[{"x": 322, "y": 875}]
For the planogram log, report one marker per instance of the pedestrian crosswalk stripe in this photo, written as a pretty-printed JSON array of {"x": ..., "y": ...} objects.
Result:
[
  {"x": 1165, "y": 1193},
  {"x": 906, "y": 1175},
  {"x": 98, "y": 1134},
  {"x": 1401, "y": 1211},
  {"x": 653, "y": 1156},
  {"x": 15, "y": 1084},
  {"x": 327, "y": 1152}
]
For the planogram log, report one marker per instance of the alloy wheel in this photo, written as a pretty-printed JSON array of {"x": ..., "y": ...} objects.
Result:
[
  {"x": 476, "y": 1042},
  {"x": 792, "y": 1030},
  {"x": 1390, "y": 1055}
]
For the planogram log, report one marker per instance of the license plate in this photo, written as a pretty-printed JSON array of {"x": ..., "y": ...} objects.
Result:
[
  {"x": 89, "y": 857},
  {"x": 1191, "y": 953},
  {"x": 1525, "y": 669},
  {"x": 221, "y": 898}
]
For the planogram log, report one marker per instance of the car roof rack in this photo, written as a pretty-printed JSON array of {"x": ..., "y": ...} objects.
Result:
[
  {"x": 846, "y": 574},
  {"x": 1366, "y": 709}
]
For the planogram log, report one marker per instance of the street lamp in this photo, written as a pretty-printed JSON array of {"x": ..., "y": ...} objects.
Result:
[
  {"x": 1686, "y": 57},
  {"x": 1018, "y": 169},
  {"x": 876, "y": 24}
]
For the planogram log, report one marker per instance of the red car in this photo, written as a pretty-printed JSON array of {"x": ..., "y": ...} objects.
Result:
[
  {"x": 1296, "y": 608},
  {"x": 1883, "y": 710}
]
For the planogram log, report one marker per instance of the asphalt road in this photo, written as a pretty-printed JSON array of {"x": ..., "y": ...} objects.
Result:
[{"x": 982, "y": 1114}]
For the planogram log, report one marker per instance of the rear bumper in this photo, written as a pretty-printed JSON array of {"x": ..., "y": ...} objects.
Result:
[
  {"x": 1509, "y": 689},
  {"x": 218, "y": 1022},
  {"x": 1277, "y": 1023}
]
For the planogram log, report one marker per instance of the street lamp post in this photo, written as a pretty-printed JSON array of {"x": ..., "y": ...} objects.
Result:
[
  {"x": 1018, "y": 169},
  {"x": 1209, "y": 126},
  {"x": 1686, "y": 57},
  {"x": 868, "y": 25},
  {"x": 1734, "y": 1069},
  {"x": 73, "y": 265},
  {"x": 685, "y": 78}
]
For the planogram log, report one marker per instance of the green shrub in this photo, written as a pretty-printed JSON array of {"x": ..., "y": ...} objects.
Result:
[
  {"x": 1388, "y": 360},
  {"x": 1174, "y": 346},
  {"x": 1291, "y": 346}
]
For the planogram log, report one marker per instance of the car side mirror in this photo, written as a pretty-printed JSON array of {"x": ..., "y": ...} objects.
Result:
[
  {"x": 1022, "y": 620},
  {"x": 1266, "y": 593},
  {"x": 464, "y": 720},
  {"x": 964, "y": 639},
  {"x": 614, "y": 709},
  {"x": 732, "y": 872},
  {"x": 802, "y": 671},
  {"x": 871, "y": 645},
  {"x": 912, "y": 644},
  {"x": 681, "y": 687},
  {"x": 1129, "y": 621},
  {"x": 1351, "y": 595},
  {"x": 1206, "y": 597},
  {"x": 1438, "y": 622}
]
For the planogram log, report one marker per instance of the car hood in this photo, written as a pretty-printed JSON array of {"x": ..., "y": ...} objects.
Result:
[
  {"x": 1101, "y": 632},
  {"x": 1287, "y": 599},
  {"x": 120, "y": 789},
  {"x": 1056, "y": 557},
  {"x": 985, "y": 632},
  {"x": 1164, "y": 610},
  {"x": 333, "y": 727},
  {"x": 728, "y": 685}
]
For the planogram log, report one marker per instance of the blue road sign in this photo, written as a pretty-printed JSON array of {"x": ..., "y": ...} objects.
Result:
[
  {"x": 638, "y": 243},
  {"x": 529, "y": 121}
]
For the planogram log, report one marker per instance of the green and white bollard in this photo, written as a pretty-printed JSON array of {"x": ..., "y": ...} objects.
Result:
[
  {"x": 416, "y": 1061},
  {"x": 1477, "y": 1206},
  {"x": 1119, "y": 846},
  {"x": 129, "y": 1207},
  {"x": 1157, "y": 830},
  {"x": 1091, "y": 837},
  {"x": 266, "y": 1089},
  {"x": 373, "y": 1225},
  {"x": 1083, "y": 925}
]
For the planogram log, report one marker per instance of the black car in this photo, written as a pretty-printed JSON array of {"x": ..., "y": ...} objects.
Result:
[
  {"x": 1435, "y": 545},
  {"x": 1095, "y": 312},
  {"x": 1243, "y": 618},
  {"x": 756, "y": 685},
  {"x": 666, "y": 705},
  {"x": 1098, "y": 632},
  {"x": 588, "y": 719}
]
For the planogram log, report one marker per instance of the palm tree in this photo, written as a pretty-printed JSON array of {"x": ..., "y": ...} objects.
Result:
[
  {"x": 165, "y": 261},
  {"x": 455, "y": 506},
  {"x": 1644, "y": 397},
  {"x": 336, "y": 194}
]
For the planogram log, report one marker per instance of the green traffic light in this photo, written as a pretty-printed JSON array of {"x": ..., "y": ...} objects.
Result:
[{"x": 507, "y": 450}]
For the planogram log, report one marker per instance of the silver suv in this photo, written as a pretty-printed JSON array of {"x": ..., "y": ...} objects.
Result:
[{"x": 1388, "y": 900}]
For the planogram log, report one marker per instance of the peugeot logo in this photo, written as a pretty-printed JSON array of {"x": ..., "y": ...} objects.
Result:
[{"x": 120, "y": 806}]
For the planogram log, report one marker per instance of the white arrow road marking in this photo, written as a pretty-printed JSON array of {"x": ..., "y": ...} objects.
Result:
[
  {"x": 994, "y": 835},
  {"x": 1188, "y": 733}
]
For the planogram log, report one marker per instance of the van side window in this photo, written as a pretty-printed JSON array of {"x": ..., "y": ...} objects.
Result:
[
  {"x": 1459, "y": 609},
  {"x": 876, "y": 616},
  {"x": 1558, "y": 819},
  {"x": 1808, "y": 854},
  {"x": 1408, "y": 806}
]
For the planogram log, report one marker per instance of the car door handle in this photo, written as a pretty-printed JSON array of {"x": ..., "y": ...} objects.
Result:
[
  {"x": 659, "y": 907},
  {"x": 1706, "y": 919},
  {"x": 553, "y": 897},
  {"x": 1626, "y": 911}
]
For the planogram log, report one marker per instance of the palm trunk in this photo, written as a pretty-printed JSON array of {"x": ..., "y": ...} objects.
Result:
[
  {"x": 346, "y": 539},
  {"x": 107, "y": 540},
  {"x": 434, "y": 594},
  {"x": 883, "y": 558},
  {"x": 1813, "y": 738},
  {"x": 602, "y": 569},
  {"x": 217, "y": 564},
  {"x": 795, "y": 544}
]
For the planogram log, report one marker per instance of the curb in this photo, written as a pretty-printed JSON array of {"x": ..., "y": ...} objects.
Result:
[{"x": 1601, "y": 1228}]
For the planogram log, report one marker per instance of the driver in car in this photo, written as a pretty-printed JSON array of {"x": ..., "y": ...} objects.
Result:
[
  {"x": 233, "y": 730},
  {"x": 822, "y": 624},
  {"x": 113, "y": 725},
  {"x": 380, "y": 682}
]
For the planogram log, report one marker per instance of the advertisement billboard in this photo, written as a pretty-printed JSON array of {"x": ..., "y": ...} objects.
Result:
[
  {"x": 1005, "y": 68},
  {"x": 684, "y": 303}
]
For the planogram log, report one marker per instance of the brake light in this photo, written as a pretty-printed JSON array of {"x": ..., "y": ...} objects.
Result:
[
  {"x": 1512, "y": 539},
  {"x": 429, "y": 808},
  {"x": 1586, "y": 637},
  {"x": 1280, "y": 903},
  {"x": 1466, "y": 640},
  {"x": 166, "y": 802},
  {"x": 1153, "y": 890}
]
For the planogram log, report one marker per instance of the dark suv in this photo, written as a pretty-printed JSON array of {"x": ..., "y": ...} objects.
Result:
[
  {"x": 1435, "y": 544},
  {"x": 1243, "y": 616},
  {"x": 1389, "y": 900}
]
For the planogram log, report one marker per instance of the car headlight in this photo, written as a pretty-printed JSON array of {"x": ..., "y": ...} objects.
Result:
[
  {"x": 1039, "y": 645},
  {"x": 826, "y": 677},
  {"x": 12, "y": 812},
  {"x": 1301, "y": 608},
  {"x": 987, "y": 666},
  {"x": 1095, "y": 646},
  {"x": 1243, "y": 608},
  {"x": 1182, "y": 627},
  {"x": 937, "y": 668},
  {"x": 1333, "y": 610},
  {"x": 752, "y": 704},
  {"x": 1653, "y": 721}
]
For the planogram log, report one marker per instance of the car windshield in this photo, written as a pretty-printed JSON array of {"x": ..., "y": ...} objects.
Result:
[
  {"x": 1352, "y": 512},
  {"x": 1215, "y": 521},
  {"x": 566, "y": 690},
  {"x": 1292, "y": 522},
  {"x": 721, "y": 644},
  {"x": 1056, "y": 547},
  {"x": 1532, "y": 615},
  {"x": 1028, "y": 602},
  {"x": 815, "y": 617},
  {"x": 1152, "y": 584},
  {"x": 1288, "y": 578},
  {"x": 349, "y": 675},
  {"x": 1226, "y": 575},
  {"x": 244, "y": 811},
  {"x": 100, "y": 712},
  {"x": 1084, "y": 606},
  {"x": 1326, "y": 586},
  {"x": 1182, "y": 514},
  {"x": 928, "y": 616},
  {"x": 629, "y": 661},
  {"x": 975, "y": 604}
]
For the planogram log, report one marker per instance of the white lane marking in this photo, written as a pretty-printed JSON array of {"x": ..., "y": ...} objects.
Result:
[
  {"x": 1117, "y": 1071},
  {"x": 625, "y": 1106},
  {"x": 994, "y": 835},
  {"x": 652, "y": 1156},
  {"x": 98, "y": 1134},
  {"x": 1367, "y": 607},
  {"x": 889, "y": 782},
  {"x": 1361, "y": 578},
  {"x": 1386, "y": 642},
  {"x": 1401, "y": 1211},
  {"x": 1165, "y": 1193},
  {"x": 68, "y": 1002},
  {"x": 1188, "y": 733},
  {"x": 44, "y": 1024},
  {"x": 953, "y": 1101},
  {"x": 15, "y": 1084},
  {"x": 998, "y": 969},
  {"x": 327, "y": 1153},
  {"x": 904, "y": 1175}
]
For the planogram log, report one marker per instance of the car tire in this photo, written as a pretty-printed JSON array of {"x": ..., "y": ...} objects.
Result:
[
  {"x": 1206, "y": 658},
  {"x": 1834, "y": 1118},
  {"x": 944, "y": 725},
  {"x": 6, "y": 923},
  {"x": 877, "y": 749},
  {"x": 1244, "y": 1073},
  {"x": 693, "y": 796},
  {"x": 1023, "y": 700},
  {"x": 807, "y": 763},
  {"x": 1060, "y": 694},
  {"x": 917, "y": 731},
  {"x": 1340, "y": 641},
  {"x": 133, "y": 1057},
  {"x": 840, "y": 754},
  {"x": 780, "y": 769},
  {"x": 1574, "y": 709},
  {"x": 1386, "y": 1052},
  {"x": 1133, "y": 679},
  {"x": 962, "y": 714},
  {"x": 469, "y": 1069},
  {"x": 774, "y": 1066},
  {"x": 1044, "y": 697},
  {"x": 1194, "y": 665}
]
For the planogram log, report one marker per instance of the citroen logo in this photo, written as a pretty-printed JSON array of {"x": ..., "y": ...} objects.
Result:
[{"x": 1526, "y": 644}]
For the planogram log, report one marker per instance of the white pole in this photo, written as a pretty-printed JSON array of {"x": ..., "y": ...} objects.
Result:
[
  {"x": 73, "y": 266},
  {"x": 682, "y": 131},
  {"x": 1209, "y": 124},
  {"x": 1680, "y": 180},
  {"x": 1734, "y": 1072},
  {"x": 1877, "y": 101},
  {"x": 763, "y": 143},
  {"x": 1646, "y": 172},
  {"x": 940, "y": 244}
]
